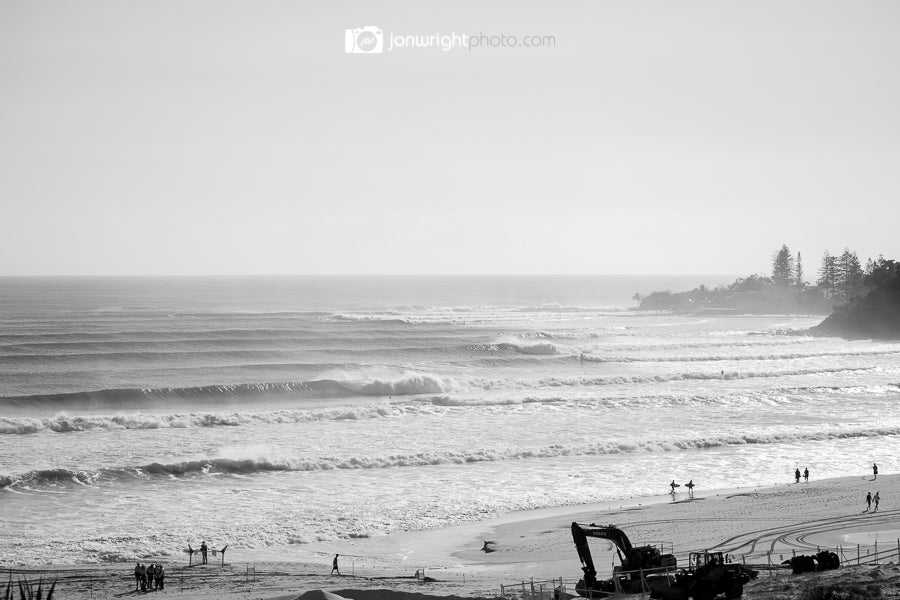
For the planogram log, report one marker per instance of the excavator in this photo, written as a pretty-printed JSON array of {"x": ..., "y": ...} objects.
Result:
[{"x": 635, "y": 562}]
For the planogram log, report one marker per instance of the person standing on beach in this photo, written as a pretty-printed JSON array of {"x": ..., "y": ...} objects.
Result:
[
  {"x": 334, "y": 565},
  {"x": 203, "y": 551},
  {"x": 805, "y": 475},
  {"x": 868, "y": 501},
  {"x": 137, "y": 576},
  {"x": 876, "y": 498},
  {"x": 797, "y": 475},
  {"x": 874, "y": 472}
]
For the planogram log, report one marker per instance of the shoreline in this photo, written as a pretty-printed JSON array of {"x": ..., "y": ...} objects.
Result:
[{"x": 746, "y": 522}]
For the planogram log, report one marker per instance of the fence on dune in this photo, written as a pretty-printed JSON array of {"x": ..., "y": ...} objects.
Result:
[
  {"x": 770, "y": 562},
  {"x": 858, "y": 554},
  {"x": 95, "y": 581},
  {"x": 104, "y": 581}
]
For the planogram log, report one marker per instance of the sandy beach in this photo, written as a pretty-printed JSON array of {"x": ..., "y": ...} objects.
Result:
[{"x": 757, "y": 525}]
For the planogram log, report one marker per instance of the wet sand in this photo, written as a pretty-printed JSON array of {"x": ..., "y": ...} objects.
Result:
[{"x": 756, "y": 525}]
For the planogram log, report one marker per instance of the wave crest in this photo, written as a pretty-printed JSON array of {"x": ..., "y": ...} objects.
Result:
[
  {"x": 337, "y": 385},
  {"x": 250, "y": 465}
]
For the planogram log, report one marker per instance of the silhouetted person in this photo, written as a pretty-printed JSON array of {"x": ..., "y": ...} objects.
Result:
[
  {"x": 874, "y": 471},
  {"x": 672, "y": 487},
  {"x": 334, "y": 565},
  {"x": 876, "y": 498},
  {"x": 805, "y": 474},
  {"x": 203, "y": 551},
  {"x": 868, "y": 501},
  {"x": 137, "y": 576},
  {"x": 797, "y": 475},
  {"x": 690, "y": 486}
]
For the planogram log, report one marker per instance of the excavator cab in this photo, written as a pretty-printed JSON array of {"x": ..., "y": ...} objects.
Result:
[
  {"x": 708, "y": 576},
  {"x": 705, "y": 559}
]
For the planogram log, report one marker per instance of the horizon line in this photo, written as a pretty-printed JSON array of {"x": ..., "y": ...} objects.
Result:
[{"x": 247, "y": 275}]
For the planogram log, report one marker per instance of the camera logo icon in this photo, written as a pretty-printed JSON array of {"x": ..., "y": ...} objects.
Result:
[{"x": 364, "y": 40}]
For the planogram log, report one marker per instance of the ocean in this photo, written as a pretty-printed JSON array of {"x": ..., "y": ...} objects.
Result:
[{"x": 138, "y": 415}]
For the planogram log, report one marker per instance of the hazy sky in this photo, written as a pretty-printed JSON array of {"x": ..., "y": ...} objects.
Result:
[{"x": 224, "y": 137}]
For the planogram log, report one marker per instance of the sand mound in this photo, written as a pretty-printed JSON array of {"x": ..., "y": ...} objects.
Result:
[
  {"x": 322, "y": 595},
  {"x": 387, "y": 595}
]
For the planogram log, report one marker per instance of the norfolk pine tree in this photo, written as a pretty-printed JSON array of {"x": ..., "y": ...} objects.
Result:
[{"x": 783, "y": 267}]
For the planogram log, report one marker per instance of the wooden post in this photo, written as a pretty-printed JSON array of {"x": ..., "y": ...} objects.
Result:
[
  {"x": 876, "y": 552},
  {"x": 857, "y": 554}
]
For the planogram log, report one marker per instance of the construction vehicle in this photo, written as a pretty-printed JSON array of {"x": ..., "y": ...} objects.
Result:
[
  {"x": 821, "y": 561},
  {"x": 708, "y": 576},
  {"x": 639, "y": 566}
]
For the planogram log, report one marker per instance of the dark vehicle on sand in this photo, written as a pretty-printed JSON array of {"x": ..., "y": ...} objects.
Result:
[{"x": 708, "y": 576}]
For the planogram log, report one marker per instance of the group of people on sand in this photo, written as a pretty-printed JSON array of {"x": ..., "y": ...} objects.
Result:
[
  {"x": 870, "y": 499},
  {"x": 805, "y": 475},
  {"x": 149, "y": 577},
  {"x": 689, "y": 485}
]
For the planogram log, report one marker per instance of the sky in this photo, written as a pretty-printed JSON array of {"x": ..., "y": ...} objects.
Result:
[{"x": 637, "y": 136}]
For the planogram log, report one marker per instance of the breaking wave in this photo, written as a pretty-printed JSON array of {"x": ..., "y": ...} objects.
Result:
[
  {"x": 256, "y": 465},
  {"x": 555, "y": 382},
  {"x": 519, "y": 347},
  {"x": 720, "y": 358},
  {"x": 407, "y": 383},
  {"x": 63, "y": 423}
]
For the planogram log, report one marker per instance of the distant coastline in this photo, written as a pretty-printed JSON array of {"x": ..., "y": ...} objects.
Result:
[
  {"x": 858, "y": 303},
  {"x": 746, "y": 295}
]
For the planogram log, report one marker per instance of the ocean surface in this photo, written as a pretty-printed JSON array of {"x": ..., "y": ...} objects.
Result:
[{"x": 138, "y": 415}]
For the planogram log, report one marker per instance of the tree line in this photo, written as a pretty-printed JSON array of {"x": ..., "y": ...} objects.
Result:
[{"x": 840, "y": 277}]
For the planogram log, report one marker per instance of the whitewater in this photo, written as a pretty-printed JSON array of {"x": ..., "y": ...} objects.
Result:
[{"x": 138, "y": 415}]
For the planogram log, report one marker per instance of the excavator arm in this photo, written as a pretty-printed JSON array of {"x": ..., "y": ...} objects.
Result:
[{"x": 580, "y": 534}]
